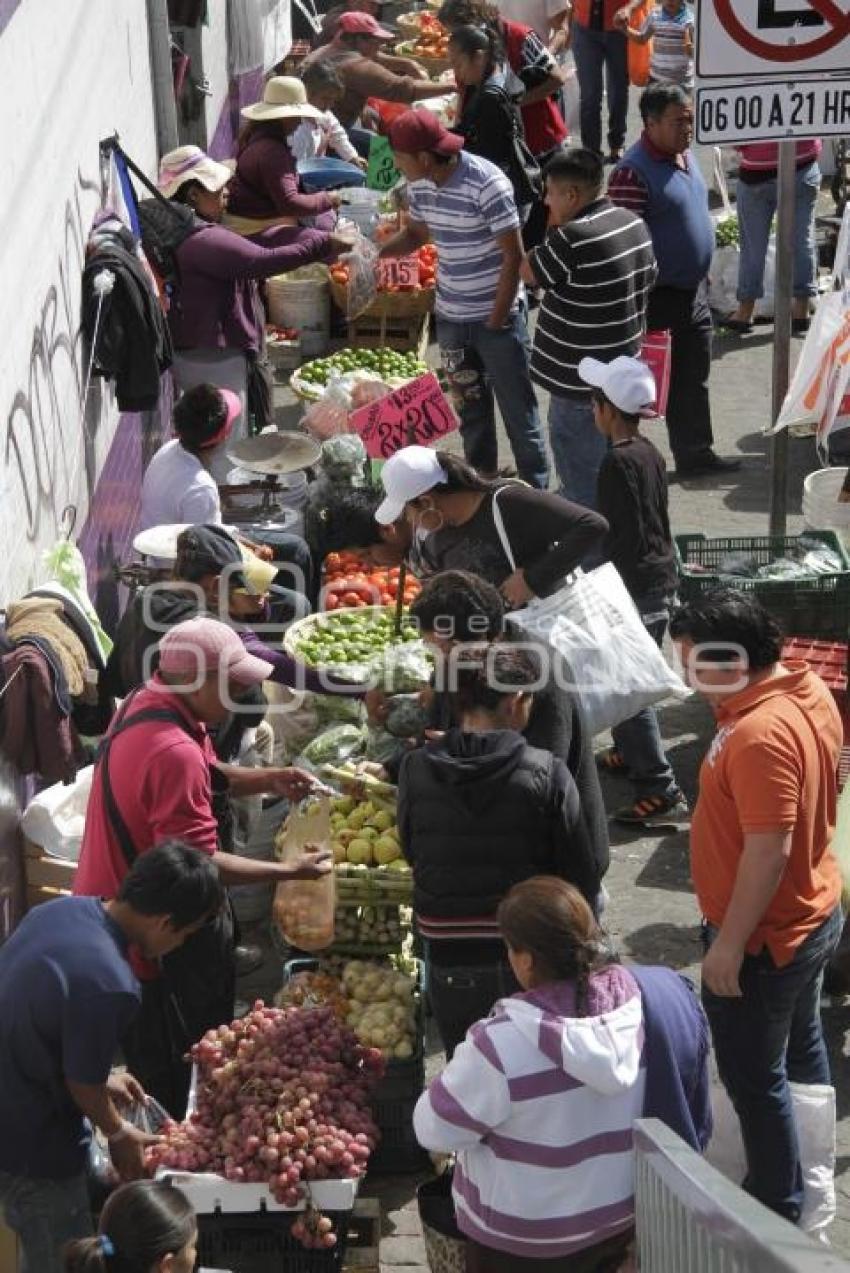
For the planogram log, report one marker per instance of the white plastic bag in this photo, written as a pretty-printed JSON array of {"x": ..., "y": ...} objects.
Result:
[
  {"x": 814, "y": 1118},
  {"x": 616, "y": 669},
  {"x": 725, "y": 264},
  {"x": 362, "y": 262},
  {"x": 55, "y": 818},
  {"x": 822, "y": 375}
]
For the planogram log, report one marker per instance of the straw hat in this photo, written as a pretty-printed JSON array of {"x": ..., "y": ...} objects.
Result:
[
  {"x": 189, "y": 163},
  {"x": 284, "y": 97}
]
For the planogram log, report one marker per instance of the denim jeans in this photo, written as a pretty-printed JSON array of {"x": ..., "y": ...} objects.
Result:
[
  {"x": 578, "y": 447},
  {"x": 638, "y": 740},
  {"x": 771, "y": 1035},
  {"x": 756, "y": 206},
  {"x": 45, "y": 1214},
  {"x": 595, "y": 51},
  {"x": 478, "y": 362},
  {"x": 462, "y": 994}
]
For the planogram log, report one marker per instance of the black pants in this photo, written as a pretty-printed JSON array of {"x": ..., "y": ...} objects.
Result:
[
  {"x": 462, "y": 994},
  {"x": 686, "y": 315},
  {"x": 195, "y": 993}
]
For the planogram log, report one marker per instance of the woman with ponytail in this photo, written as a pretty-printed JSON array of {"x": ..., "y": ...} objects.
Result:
[
  {"x": 145, "y": 1227},
  {"x": 540, "y": 1099}
]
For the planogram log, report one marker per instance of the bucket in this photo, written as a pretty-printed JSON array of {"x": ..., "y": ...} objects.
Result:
[
  {"x": 302, "y": 300},
  {"x": 821, "y": 509}
]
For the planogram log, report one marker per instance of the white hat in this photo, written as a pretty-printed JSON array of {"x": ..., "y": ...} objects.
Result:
[
  {"x": 284, "y": 97},
  {"x": 189, "y": 163},
  {"x": 409, "y": 473},
  {"x": 627, "y": 382}
]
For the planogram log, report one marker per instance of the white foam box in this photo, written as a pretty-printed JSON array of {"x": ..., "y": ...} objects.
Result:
[{"x": 209, "y": 1192}]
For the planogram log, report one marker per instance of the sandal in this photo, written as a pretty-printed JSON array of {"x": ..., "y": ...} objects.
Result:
[
  {"x": 654, "y": 811},
  {"x": 737, "y": 324}
]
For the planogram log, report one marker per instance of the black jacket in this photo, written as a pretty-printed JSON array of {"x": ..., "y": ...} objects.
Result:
[
  {"x": 478, "y": 812},
  {"x": 133, "y": 345},
  {"x": 557, "y": 724},
  {"x": 135, "y": 654}
]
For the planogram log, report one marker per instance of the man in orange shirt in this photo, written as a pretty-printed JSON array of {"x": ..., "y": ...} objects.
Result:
[{"x": 765, "y": 878}]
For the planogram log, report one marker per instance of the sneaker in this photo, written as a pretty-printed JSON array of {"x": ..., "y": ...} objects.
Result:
[
  {"x": 611, "y": 761},
  {"x": 705, "y": 464},
  {"x": 654, "y": 811}
]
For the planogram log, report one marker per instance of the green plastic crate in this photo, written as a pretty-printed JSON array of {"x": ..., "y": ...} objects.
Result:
[{"x": 817, "y": 607}]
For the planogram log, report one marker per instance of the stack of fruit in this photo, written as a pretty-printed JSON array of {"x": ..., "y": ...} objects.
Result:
[
  {"x": 390, "y": 366},
  {"x": 427, "y": 274},
  {"x": 347, "y": 636},
  {"x": 431, "y": 43},
  {"x": 375, "y": 929},
  {"x": 364, "y": 833},
  {"x": 352, "y": 580},
  {"x": 376, "y": 1000}
]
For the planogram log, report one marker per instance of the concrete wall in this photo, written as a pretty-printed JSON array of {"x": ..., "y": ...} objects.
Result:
[{"x": 72, "y": 73}]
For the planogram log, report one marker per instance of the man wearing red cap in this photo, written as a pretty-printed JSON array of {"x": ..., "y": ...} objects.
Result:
[
  {"x": 354, "y": 54},
  {"x": 156, "y": 779},
  {"x": 466, "y": 205}
]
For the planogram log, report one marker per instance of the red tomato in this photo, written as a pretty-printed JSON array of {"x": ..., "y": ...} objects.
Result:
[
  {"x": 350, "y": 599},
  {"x": 331, "y": 601}
]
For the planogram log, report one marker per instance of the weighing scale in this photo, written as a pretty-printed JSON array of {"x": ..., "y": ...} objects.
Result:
[{"x": 271, "y": 456}]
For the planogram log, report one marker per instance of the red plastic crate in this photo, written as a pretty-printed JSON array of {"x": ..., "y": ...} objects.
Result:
[{"x": 827, "y": 658}]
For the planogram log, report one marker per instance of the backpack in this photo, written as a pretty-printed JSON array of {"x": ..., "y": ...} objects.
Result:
[{"x": 163, "y": 228}]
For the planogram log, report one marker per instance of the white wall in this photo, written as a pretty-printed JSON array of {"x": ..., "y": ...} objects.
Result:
[{"x": 72, "y": 72}]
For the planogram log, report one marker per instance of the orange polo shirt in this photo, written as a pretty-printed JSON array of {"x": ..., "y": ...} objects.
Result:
[{"x": 772, "y": 766}]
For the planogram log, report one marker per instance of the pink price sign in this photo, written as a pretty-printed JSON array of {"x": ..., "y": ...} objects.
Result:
[
  {"x": 398, "y": 271},
  {"x": 416, "y": 414}
]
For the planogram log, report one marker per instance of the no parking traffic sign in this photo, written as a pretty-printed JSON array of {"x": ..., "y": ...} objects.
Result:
[
  {"x": 776, "y": 39},
  {"x": 766, "y": 69}
]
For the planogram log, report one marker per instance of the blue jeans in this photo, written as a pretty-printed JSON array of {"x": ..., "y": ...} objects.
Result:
[
  {"x": 770, "y": 1035},
  {"x": 595, "y": 51},
  {"x": 578, "y": 447},
  {"x": 756, "y": 206},
  {"x": 478, "y": 362},
  {"x": 45, "y": 1214},
  {"x": 638, "y": 740}
]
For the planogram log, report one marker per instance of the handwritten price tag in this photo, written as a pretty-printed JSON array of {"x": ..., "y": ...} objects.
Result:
[
  {"x": 418, "y": 413},
  {"x": 398, "y": 271},
  {"x": 382, "y": 173}
]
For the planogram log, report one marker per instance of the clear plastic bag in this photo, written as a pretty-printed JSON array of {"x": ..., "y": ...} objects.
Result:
[
  {"x": 304, "y": 909},
  {"x": 362, "y": 262}
]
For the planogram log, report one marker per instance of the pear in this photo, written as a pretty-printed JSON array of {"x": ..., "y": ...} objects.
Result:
[
  {"x": 338, "y": 851},
  {"x": 368, "y": 833},
  {"x": 399, "y": 865},
  {"x": 382, "y": 820},
  {"x": 385, "y": 850},
  {"x": 360, "y": 852}
]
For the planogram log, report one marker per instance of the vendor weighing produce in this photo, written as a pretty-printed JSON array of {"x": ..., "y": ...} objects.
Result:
[{"x": 67, "y": 994}]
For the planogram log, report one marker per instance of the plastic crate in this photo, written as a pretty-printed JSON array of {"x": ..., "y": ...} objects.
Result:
[
  {"x": 262, "y": 1242},
  {"x": 828, "y": 658},
  {"x": 816, "y": 607},
  {"x": 398, "y": 1151}
]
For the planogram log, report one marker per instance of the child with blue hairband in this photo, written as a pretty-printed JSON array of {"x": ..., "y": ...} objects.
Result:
[{"x": 145, "y": 1227}]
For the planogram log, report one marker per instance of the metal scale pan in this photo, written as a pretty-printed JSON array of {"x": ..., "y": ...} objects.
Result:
[{"x": 271, "y": 456}]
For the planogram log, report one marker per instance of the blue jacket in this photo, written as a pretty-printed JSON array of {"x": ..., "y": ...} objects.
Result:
[{"x": 677, "y": 1043}]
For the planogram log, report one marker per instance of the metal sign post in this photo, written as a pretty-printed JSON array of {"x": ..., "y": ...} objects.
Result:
[
  {"x": 773, "y": 70},
  {"x": 782, "y": 296}
]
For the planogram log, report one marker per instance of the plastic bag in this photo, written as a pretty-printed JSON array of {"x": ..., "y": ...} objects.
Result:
[
  {"x": 362, "y": 262},
  {"x": 400, "y": 669},
  {"x": 336, "y": 745},
  {"x": 55, "y": 818},
  {"x": 304, "y": 909},
  {"x": 615, "y": 667},
  {"x": 407, "y": 717},
  {"x": 382, "y": 745},
  {"x": 329, "y": 416},
  {"x": 343, "y": 458},
  {"x": 338, "y": 709}
]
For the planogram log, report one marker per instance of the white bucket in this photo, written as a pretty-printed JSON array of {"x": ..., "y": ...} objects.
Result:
[
  {"x": 302, "y": 300},
  {"x": 821, "y": 509}
]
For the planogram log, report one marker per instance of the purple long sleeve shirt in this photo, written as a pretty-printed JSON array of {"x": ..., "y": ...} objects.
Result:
[
  {"x": 265, "y": 183},
  {"x": 288, "y": 672},
  {"x": 215, "y": 305}
]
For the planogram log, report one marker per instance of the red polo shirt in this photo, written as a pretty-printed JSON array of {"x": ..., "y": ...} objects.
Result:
[{"x": 161, "y": 782}]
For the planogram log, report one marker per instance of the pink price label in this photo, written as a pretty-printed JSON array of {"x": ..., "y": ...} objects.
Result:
[
  {"x": 398, "y": 271},
  {"x": 417, "y": 414}
]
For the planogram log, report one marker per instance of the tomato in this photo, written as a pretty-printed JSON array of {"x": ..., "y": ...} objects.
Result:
[
  {"x": 387, "y": 598},
  {"x": 332, "y": 562},
  {"x": 331, "y": 601},
  {"x": 350, "y": 599}
]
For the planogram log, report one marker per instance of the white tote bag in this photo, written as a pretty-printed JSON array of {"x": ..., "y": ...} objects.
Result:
[{"x": 615, "y": 667}]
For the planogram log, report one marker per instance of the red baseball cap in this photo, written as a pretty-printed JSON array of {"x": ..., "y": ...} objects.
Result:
[
  {"x": 421, "y": 130},
  {"x": 363, "y": 24},
  {"x": 233, "y": 403}
]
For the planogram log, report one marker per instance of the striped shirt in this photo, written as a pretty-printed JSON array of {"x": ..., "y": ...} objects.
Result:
[
  {"x": 597, "y": 270},
  {"x": 539, "y": 1105},
  {"x": 465, "y": 217},
  {"x": 670, "y": 61}
]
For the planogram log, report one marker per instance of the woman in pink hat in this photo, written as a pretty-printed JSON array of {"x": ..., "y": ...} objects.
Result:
[{"x": 210, "y": 277}]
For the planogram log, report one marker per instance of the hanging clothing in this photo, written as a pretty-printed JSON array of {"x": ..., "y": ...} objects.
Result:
[
  {"x": 132, "y": 345},
  {"x": 35, "y": 735},
  {"x": 41, "y": 618}
]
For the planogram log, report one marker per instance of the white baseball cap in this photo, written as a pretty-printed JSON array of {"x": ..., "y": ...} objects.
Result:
[
  {"x": 627, "y": 382},
  {"x": 409, "y": 473}
]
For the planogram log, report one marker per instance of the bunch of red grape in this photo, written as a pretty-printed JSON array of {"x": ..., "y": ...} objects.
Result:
[{"x": 282, "y": 1098}]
